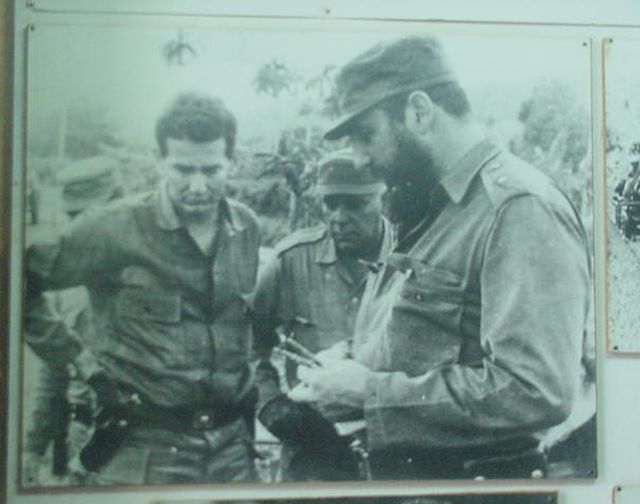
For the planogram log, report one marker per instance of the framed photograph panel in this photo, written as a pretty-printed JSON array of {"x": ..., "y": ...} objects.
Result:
[
  {"x": 133, "y": 330},
  {"x": 463, "y": 498},
  {"x": 621, "y": 117}
]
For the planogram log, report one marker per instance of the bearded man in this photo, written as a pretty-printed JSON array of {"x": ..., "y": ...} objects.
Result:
[{"x": 470, "y": 356}]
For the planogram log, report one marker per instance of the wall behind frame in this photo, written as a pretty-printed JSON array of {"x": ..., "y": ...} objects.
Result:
[
  {"x": 618, "y": 393},
  {"x": 5, "y": 180}
]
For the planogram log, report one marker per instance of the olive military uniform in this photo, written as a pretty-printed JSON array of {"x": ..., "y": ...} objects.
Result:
[
  {"x": 476, "y": 327},
  {"x": 307, "y": 283},
  {"x": 174, "y": 334}
]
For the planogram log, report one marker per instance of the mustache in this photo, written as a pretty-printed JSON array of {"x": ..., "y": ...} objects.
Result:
[
  {"x": 407, "y": 204},
  {"x": 410, "y": 181},
  {"x": 198, "y": 197}
]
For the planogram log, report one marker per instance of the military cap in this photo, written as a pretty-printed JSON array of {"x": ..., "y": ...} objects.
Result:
[
  {"x": 345, "y": 172},
  {"x": 387, "y": 69},
  {"x": 88, "y": 182},
  {"x": 634, "y": 152}
]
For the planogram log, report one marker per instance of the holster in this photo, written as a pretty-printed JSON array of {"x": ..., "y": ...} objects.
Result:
[
  {"x": 296, "y": 423},
  {"x": 112, "y": 424},
  {"x": 110, "y": 431}
]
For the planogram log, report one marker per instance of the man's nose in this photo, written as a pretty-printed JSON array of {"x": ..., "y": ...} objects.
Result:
[
  {"x": 361, "y": 148},
  {"x": 198, "y": 183},
  {"x": 340, "y": 215}
]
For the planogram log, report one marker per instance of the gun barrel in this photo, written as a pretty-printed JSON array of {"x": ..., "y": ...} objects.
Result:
[{"x": 298, "y": 359}]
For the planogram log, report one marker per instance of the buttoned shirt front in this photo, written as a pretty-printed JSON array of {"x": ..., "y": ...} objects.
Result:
[
  {"x": 171, "y": 323},
  {"x": 476, "y": 330}
]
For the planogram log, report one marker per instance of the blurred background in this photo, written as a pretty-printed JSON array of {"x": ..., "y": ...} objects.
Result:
[{"x": 97, "y": 91}]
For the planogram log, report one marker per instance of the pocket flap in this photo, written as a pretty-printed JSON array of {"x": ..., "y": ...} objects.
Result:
[{"x": 155, "y": 306}]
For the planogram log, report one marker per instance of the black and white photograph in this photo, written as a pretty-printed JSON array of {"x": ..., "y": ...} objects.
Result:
[
  {"x": 272, "y": 251},
  {"x": 466, "y": 498},
  {"x": 622, "y": 119}
]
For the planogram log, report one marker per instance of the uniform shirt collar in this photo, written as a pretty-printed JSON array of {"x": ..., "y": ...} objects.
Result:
[
  {"x": 327, "y": 250},
  {"x": 168, "y": 219},
  {"x": 388, "y": 240},
  {"x": 458, "y": 179}
]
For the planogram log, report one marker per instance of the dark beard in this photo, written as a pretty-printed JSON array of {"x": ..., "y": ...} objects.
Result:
[{"x": 410, "y": 181}]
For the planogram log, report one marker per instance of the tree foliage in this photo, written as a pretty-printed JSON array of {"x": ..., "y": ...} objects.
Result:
[
  {"x": 555, "y": 138},
  {"x": 177, "y": 51},
  {"x": 273, "y": 78},
  {"x": 74, "y": 132},
  {"x": 293, "y": 167}
]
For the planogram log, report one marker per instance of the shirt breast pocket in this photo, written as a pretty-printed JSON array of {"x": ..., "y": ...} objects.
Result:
[
  {"x": 425, "y": 326},
  {"x": 151, "y": 306},
  {"x": 149, "y": 327}
]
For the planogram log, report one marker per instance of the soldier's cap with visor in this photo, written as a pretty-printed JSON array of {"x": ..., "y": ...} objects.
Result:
[
  {"x": 88, "y": 182},
  {"x": 385, "y": 70},
  {"x": 345, "y": 172},
  {"x": 634, "y": 153}
]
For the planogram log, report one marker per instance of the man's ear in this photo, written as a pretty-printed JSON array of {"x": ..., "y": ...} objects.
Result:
[
  {"x": 419, "y": 112},
  {"x": 158, "y": 159},
  {"x": 232, "y": 166}
]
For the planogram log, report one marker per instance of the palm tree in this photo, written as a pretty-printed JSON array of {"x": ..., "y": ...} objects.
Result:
[
  {"x": 273, "y": 78},
  {"x": 177, "y": 49}
]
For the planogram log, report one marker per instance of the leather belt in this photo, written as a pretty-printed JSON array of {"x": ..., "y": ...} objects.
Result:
[
  {"x": 182, "y": 419},
  {"x": 519, "y": 459}
]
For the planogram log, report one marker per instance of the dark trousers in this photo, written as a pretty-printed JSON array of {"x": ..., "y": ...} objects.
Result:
[{"x": 150, "y": 455}]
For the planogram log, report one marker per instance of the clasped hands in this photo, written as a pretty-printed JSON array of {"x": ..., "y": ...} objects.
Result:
[{"x": 337, "y": 380}]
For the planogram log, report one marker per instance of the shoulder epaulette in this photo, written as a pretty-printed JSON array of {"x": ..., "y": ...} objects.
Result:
[
  {"x": 303, "y": 236},
  {"x": 506, "y": 176}
]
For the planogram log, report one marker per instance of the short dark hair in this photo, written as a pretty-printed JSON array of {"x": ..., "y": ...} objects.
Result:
[
  {"x": 449, "y": 95},
  {"x": 199, "y": 118}
]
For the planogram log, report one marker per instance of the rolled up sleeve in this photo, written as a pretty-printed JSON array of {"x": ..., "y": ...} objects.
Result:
[
  {"x": 266, "y": 308},
  {"x": 265, "y": 321},
  {"x": 535, "y": 295},
  {"x": 69, "y": 259}
]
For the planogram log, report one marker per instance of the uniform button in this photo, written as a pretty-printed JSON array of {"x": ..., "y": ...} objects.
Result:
[
  {"x": 72, "y": 371},
  {"x": 419, "y": 297},
  {"x": 204, "y": 419},
  {"x": 174, "y": 450},
  {"x": 123, "y": 424},
  {"x": 537, "y": 474}
]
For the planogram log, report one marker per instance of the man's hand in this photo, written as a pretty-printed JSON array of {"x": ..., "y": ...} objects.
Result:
[
  {"x": 338, "y": 381},
  {"x": 341, "y": 350}
]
